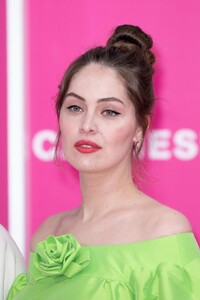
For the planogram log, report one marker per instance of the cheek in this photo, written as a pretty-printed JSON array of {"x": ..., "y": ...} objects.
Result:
[
  {"x": 123, "y": 135},
  {"x": 66, "y": 136},
  {"x": 67, "y": 130}
]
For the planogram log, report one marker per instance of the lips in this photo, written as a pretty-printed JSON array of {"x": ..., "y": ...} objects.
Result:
[{"x": 85, "y": 146}]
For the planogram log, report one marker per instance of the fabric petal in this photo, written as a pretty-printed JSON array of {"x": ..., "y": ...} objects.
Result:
[
  {"x": 81, "y": 262},
  {"x": 20, "y": 282}
]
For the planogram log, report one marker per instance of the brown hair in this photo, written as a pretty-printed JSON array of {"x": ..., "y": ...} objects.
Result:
[{"x": 128, "y": 52}]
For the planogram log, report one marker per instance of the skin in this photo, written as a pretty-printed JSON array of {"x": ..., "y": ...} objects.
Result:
[{"x": 113, "y": 210}]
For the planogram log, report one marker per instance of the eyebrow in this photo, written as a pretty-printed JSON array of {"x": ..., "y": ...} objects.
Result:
[{"x": 107, "y": 99}]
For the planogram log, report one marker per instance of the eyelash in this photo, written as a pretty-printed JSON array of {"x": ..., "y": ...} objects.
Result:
[
  {"x": 76, "y": 108},
  {"x": 72, "y": 107},
  {"x": 112, "y": 113}
]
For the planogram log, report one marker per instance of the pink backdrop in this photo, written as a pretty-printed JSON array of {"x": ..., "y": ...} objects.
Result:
[{"x": 56, "y": 33}]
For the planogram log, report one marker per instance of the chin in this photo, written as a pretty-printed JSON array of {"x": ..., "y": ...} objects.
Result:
[
  {"x": 87, "y": 169},
  {"x": 83, "y": 166}
]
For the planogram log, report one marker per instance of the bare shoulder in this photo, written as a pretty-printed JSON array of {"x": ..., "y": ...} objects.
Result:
[
  {"x": 171, "y": 221},
  {"x": 163, "y": 220},
  {"x": 48, "y": 227},
  {"x": 45, "y": 229}
]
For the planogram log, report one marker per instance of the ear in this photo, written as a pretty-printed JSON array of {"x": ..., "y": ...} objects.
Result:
[
  {"x": 139, "y": 134},
  {"x": 148, "y": 117},
  {"x": 138, "y": 137}
]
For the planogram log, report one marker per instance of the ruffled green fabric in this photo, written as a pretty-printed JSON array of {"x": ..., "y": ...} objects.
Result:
[
  {"x": 54, "y": 257},
  {"x": 20, "y": 282},
  {"x": 167, "y": 268},
  {"x": 167, "y": 282}
]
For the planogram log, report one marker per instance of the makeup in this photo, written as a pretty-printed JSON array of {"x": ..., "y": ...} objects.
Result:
[{"x": 85, "y": 146}]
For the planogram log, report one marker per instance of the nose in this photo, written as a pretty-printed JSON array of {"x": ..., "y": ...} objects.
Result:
[{"x": 88, "y": 125}]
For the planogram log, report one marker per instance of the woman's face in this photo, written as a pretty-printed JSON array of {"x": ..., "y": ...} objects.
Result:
[{"x": 97, "y": 121}]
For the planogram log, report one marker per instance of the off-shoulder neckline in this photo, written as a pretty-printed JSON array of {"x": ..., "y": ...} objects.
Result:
[{"x": 161, "y": 238}]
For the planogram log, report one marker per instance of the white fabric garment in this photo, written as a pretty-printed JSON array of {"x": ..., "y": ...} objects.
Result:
[{"x": 11, "y": 262}]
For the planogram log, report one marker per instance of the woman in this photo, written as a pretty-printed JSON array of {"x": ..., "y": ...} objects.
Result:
[{"x": 132, "y": 247}]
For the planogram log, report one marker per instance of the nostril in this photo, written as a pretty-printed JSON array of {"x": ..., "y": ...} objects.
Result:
[{"x": 88, "y": 131}]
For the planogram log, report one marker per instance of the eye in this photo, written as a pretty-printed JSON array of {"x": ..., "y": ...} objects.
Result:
[
  {"x": 74, "y": 108},
  {"x": 110, "y": 113}
]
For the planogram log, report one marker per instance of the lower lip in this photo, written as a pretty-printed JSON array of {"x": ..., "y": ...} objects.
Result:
[{"x": 86, "y": 150}]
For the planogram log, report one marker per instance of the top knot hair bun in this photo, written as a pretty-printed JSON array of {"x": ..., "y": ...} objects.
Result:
[{"x": 132, "y": 38}]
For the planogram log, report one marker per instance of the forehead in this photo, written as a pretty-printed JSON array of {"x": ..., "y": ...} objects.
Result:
[{"x": 99, "y": 81}]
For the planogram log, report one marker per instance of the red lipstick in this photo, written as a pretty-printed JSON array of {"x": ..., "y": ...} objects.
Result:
[{"x": 85, "y": 146}]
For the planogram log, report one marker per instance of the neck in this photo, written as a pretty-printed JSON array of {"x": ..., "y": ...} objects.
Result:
[{"x": 107, "y": 191}]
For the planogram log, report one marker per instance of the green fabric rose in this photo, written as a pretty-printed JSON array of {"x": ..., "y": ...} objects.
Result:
[{"x": 58, "y": 256}]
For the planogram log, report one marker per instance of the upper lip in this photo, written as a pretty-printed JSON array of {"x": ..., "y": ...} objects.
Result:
[{"x": 86, "y": 142}]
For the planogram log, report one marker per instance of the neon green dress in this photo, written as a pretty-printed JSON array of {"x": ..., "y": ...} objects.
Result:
[{"x": 166, "y": 268}]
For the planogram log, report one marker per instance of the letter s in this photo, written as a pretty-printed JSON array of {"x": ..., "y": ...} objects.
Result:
[{"x": 186, "y": 146}]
